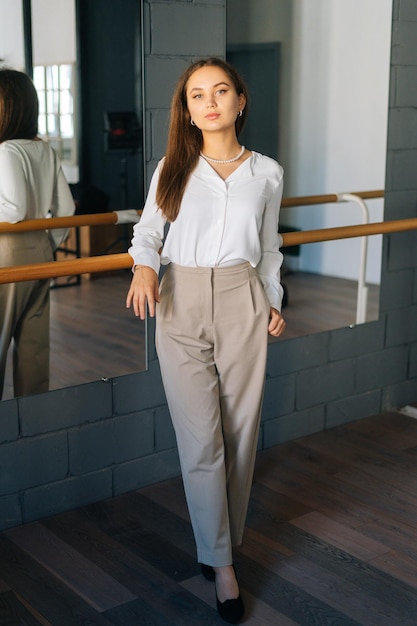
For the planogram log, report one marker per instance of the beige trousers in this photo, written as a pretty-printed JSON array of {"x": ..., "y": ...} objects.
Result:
[
  {"x": 211, "y": 339},
  {"x": 24, "y": 314}
]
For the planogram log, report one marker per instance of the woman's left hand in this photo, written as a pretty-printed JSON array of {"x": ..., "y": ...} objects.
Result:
[{"x": 276, "y": 323}]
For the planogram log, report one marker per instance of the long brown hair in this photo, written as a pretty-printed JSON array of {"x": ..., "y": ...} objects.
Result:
[
  {"x": 19, "y": 106},
  {"x": 185, "y": 140}
]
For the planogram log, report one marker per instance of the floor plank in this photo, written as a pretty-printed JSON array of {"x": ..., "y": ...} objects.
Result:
[
  {"x": 48, "y": 596},
  {"x": 345, "y": 596},
  {"x": 70, "y": 567},
  {"x": 335, "y": 534},
  {"x": 330, "y": 539},
  {"x": 14, "y": 612}
]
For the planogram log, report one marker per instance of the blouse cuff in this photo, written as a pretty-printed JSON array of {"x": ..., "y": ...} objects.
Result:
[{"x": 148, "y": 258}]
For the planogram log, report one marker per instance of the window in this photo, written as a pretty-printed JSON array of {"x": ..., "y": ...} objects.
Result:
[{"x": 54, "y": 84}]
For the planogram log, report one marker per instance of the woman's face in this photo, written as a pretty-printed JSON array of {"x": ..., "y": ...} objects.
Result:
[{"x": 212, "y": 100}]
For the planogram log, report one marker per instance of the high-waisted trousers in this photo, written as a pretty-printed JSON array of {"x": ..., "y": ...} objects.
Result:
[
  {"x": 211, "y": 340},
  {"x": 24, "y": 314}
]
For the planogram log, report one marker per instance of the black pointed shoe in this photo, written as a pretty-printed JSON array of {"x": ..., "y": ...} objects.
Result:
[
  {"x": 231, "y": 610},
  {"x": 208, "y": 572}
]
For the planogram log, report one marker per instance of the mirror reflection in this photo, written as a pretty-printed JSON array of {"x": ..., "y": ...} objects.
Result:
[
  {"x": 92, "y": 336},
  {"x": 309, "y": 62},
  {"x": 320, "y": 116}
]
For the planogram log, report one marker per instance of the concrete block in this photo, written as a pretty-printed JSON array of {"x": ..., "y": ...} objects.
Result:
[
  {"x": 293, "y": 426},
  {"x": 161, "y": 75},
  {"x": 396, "y": 290},
  {"x": 353, "y": 408},
  {"x": 159, "y": 132},
  {"x": 146, "y": 27},
  {"x": 114, "y": 441},
  {"x": 401, "y": 326},
  {"x": 147, "y": 149},
  {"x": 64, "y": 408},
  {"x": 325, "y": 383},
  {"x": 174, "y": 27},
  {"x": 65, "y": 495},
  {"x": 401, "y": 170},
  {"x": 279, "y": 397},
  {"x": 350, "y": 342},
  {"x": 293, "y": 355},
  {"x": 9, "y": 421},
  {"x": 399, "y": 395},
  {"x": 404, "y": 42},
  {"x": 10, "y": 512},
  {"x": 140, "y": 391},
  {"x": 31, "y": 462},
  {"x": 150, "y": 169},
  {"x": 164, "y": 430},
  {"x": 413, "y": 362},
  {"x": 377, "y": 370},
  {"x": 146, "y": 471},
  {"x": 406, "y": 85},
  {"x": 392, "y": 93},
  {"x": 415, "y": 287},
  {"x": 402, "y": 129},
  {"x": 402, "y": 250},
  {"x": 407, "y": 10},
  {"x": 259, "y": 445},
  {"x": 150, "y": 335}
]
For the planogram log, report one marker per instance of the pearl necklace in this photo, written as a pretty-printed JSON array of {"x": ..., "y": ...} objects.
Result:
[{"x": 222, "y": 161}]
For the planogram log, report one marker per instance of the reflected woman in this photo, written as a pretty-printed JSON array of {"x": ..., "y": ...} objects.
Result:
[
  {"x": 32, "y": 186},
  {"x": 218, "y": 299}
]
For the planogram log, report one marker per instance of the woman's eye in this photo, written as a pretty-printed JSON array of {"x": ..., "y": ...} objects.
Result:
[
  {"x": 221, "y": 91},
  {"x": 197, "y": 95}
]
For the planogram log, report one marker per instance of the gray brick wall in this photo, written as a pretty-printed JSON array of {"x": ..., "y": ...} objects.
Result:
[{"x": 74, "y": 446}]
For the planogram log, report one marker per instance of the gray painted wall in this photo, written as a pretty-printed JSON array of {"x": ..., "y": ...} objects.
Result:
[{"x": 82, "y": 444}]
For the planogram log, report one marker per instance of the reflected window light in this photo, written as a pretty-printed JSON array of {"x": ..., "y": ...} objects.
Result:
[
  {"x": 42, "y": 103},
  {"x": 67, "y": 130},
  {"x": 50, "y": 102},
  {"x": 51, "y": 125},
  {"x": 66, "y": 103},
  {"x": 54, "y": 84},
  {"x": 42, "y": 125},
  {"x": 39, "y": 78},
  {"x": 65, "y": 77}
]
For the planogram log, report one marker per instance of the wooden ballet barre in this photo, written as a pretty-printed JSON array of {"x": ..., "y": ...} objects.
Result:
[
  {"x": 347, "y": 232},
  {"x": 39, "y": 271},
  {"x": 97, "y": 219},
  {"x": 72, "y": 221},
  {"x": 327, "y": 198},
  {"x": 54, "y": 269}
]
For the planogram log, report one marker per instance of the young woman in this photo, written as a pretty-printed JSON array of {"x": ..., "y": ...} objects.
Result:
[
  {"x": 217, "y": 301},
  {"x": 32, "y": 185}
]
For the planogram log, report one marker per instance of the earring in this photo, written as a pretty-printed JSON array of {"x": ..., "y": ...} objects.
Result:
[
  {"x": 192, "y": 123},
  {"x": 240, "y": 113}
]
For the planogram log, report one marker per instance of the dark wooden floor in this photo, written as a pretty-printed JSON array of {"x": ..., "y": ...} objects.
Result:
[
  {"x": 330, "y": 540},
  {"x": 94, "y": 336},
  {"x": 317, "y": 303}
]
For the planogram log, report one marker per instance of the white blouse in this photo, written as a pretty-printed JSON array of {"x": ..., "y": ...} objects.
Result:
[
  {"x": 220, "y": 223},
  {"x": 32, "y": 184}
]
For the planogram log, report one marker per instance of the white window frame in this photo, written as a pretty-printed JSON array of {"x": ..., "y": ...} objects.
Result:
[{"x": 52, "y": 116}]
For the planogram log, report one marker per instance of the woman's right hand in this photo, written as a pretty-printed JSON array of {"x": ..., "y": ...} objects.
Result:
[{"x": 144, "y": 288}]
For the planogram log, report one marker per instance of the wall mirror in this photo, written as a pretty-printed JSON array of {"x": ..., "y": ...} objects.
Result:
[
  {"x": 328, "y": 129},
  {"x": 61, "y": 44},
  {"x": 308, "y": 64}
]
